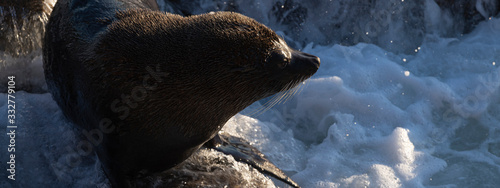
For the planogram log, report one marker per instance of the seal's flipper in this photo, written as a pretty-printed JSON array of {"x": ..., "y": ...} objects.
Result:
[{"x": 242, "y": 151}]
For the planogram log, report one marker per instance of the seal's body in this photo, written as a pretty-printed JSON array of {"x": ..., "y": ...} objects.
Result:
[{"x": 156, "y": 85}]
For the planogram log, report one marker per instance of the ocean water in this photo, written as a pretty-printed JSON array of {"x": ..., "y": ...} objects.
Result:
[{"x": 414, "y": 103}]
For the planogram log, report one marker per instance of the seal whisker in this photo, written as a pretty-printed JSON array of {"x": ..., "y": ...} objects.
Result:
[
  {"x": 306, "y": 82},
  {"x": 302, "y": 83},
  {"x": 283, "y": 94},
  {"x": 290, "y": 88},
  {"x": 293, "y": 91},
  {"x": 274, "y": 101},
  {"x": 279, "y": 97},
  {"x": 259, "y": 111},
  {"x": 287, "y": 95}
]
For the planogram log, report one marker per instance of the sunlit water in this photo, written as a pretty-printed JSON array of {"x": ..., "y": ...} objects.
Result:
[{"x": 401, "y": 107}]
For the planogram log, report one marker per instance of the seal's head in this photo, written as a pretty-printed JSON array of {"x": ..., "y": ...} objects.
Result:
[{"x": 216, "y": 59}]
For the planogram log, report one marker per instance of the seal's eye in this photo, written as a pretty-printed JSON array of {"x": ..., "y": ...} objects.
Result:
[{"x": 278, "y": 58}]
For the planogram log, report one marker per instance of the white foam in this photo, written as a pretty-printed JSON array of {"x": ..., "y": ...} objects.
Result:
[{"x": 366, "y": 122}]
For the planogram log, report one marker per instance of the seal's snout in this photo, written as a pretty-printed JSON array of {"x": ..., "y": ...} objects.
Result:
[
  {"x": 314, "y": 60},
  {"x": 304, "y": 62}
]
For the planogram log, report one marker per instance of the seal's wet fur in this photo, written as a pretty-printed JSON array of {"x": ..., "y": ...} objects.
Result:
[{"x": 160, "y": 85}]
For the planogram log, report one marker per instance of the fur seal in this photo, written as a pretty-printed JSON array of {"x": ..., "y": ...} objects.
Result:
[{"x": 153, "y": 86}]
